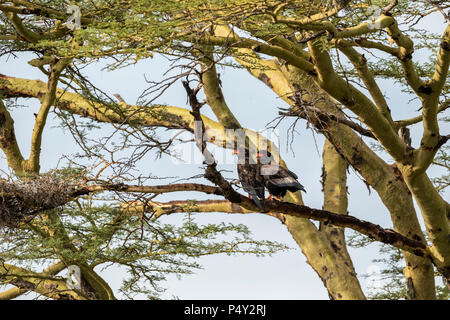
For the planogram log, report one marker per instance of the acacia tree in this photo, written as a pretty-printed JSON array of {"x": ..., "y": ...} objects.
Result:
[{"x": 324, "y": 59}]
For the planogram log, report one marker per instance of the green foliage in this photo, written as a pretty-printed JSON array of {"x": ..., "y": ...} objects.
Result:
[
  {"x": 103, "y": 236},
  {"x": 391, "y": 283}
]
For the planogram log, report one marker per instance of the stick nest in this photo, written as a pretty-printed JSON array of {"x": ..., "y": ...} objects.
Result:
[{"x": 28, "y": 196}]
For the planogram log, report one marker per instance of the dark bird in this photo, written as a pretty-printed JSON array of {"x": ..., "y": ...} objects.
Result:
[
  {"x": 251, "y": 180},
  {"x": 277, "y": 179},
  {"x": 405, "y": 135}
]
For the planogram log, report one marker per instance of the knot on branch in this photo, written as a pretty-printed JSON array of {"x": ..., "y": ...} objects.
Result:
[
  {"x": 425, "y": 89},
  {"x": 445, "y": 45},
  {"x": 30, "y": 195},
  {"x": 387, "y": 236}
]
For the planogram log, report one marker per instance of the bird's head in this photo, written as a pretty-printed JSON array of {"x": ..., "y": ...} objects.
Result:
[{"x": 263, "y": 156}]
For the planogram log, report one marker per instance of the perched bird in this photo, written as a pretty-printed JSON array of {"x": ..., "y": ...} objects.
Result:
[
  {"x": 405, "y": 135},
  {"x": 277, "y": 179},
  {"x": 251, "y": 180}
]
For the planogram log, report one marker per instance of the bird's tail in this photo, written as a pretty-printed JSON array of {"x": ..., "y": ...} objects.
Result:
[
  {"x": 302, "y": 188},
  {"x": 256, "y": 199}
]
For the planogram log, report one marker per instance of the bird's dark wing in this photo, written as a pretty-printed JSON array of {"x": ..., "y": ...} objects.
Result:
[
  {"x": 291, "y": 173},
  {"x": 280, "y": 177},
  {"x": 288, "y": 183}
]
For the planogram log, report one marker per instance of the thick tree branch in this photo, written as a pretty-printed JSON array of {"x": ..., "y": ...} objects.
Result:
[
  {"x": 11, "y": 37},
  {"x": 440, "y": 9},
  {"x": 431, "y": 138},
  {"x": 407, "y": 122},
  {"x": 15, "y": 292},
  {"x": 406, "y": 49},
  {"x": 155, "y": 115},
  {"x": 8, "y": 141},
  {"x": 29, "y": 8},
  {"x": 41, "y": 283},
  {"x": 360, "y": 63},
  {"x": 334, "y": 186},
  {"x": 391, "y": 6},
  {"x": 434, "y": 213},
  {"x": 391, "y": 189},
  {"x": 257, "y": 46},
  {"x": 367, "y": 228},
  {"x": 53, "y": 227},
  {"x": 20, "y": 28},
  {"x": 242, "y": 204},
  {"x": 56, "y": 67},
  {"x": 357, "y": 102},
  {"x": 159, "y": 209},
  {"x": 148, "y": 189},
  {"x": 311, "y": 20}
]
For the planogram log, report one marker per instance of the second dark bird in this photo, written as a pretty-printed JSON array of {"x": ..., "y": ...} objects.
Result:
[
  {"x": 277, "y": 179},
  {"x": 265, "y": 173}
]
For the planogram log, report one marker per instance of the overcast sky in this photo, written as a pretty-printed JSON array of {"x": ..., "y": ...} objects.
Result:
[{"x": 281, "y": 276}]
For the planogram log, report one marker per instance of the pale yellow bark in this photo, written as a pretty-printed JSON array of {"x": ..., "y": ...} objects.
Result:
[
  {"x": 391, "y": 189},
  {"x": 8, "y": 142},
  {"x": 41, "y": 283}
]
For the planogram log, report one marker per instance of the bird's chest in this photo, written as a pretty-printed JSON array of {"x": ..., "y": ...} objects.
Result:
[{"x": 249, "y": 172}]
